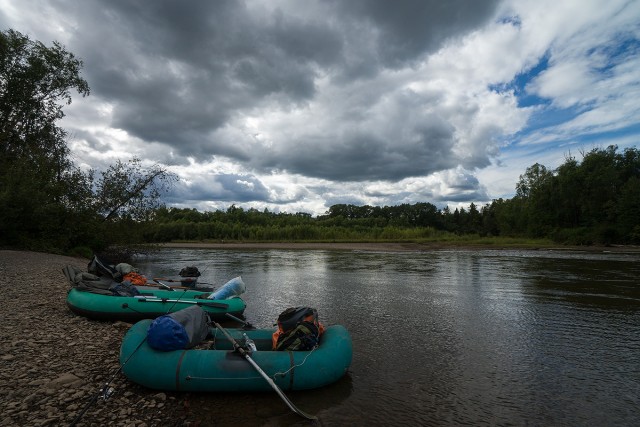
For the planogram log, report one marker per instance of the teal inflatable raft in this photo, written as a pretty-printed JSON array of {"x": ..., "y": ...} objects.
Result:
[
  {"x": 219, "y": 368},
  {"x": 149, "y": 305}
]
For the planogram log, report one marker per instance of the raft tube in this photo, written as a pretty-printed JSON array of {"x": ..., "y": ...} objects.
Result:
[
  {"x": 222, "y": 369},
  {"x": 149, "y": 305}
]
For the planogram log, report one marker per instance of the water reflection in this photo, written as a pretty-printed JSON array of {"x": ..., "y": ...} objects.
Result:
[{"x": 450, "y": 337}]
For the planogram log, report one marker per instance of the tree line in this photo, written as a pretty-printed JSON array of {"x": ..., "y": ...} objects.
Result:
[
  {"x": 593, "y": 201},
  {"x": 48, "y": 203},
  {"x": 596, "y": 200}
]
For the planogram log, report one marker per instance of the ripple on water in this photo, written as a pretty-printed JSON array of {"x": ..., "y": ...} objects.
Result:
[{"x": 452, "y": 337}]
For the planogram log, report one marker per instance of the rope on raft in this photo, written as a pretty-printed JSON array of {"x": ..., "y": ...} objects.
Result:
[
  {"x": 282, "y": 374},
  {"x": 274, "y": 376}
]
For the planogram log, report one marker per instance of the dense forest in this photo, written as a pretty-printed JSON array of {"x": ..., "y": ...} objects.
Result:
[{"x": 50, "y": 204}]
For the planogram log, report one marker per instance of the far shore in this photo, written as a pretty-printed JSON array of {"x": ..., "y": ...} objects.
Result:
[{"x": 391, "y": 247}]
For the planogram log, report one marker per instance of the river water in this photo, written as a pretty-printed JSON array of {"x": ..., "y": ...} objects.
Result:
[{"x": 445, "y": 337}]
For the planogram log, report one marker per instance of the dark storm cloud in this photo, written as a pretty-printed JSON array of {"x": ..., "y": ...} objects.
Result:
[
  {"x": 406, "y": 29},
  {"x": 177, "y": 72},
  {"x": 181, "y": 73},
  {"x": 360, "y": 156}
]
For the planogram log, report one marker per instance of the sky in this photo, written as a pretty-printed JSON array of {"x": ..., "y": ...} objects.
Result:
[{"x": 295, "y": 105}]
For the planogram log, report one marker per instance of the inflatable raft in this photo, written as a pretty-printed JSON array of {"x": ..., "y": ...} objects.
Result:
[
  {"x": 149, "y": 305},
  {"x": 220, "y": 368}
]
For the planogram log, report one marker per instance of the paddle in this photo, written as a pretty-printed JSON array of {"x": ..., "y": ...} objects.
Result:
[
  {"x": 174, "y": 280},
  {"x": 163, "y": 286},
  {"x": 246, "y": 324},
  {"x": 273, "y": 385},
  {"x": 157, "y": 283},
  {"x": 200, "y": 303}
]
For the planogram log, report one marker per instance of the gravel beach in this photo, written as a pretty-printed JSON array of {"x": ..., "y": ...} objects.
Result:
[{"x": 53, "y": 362}]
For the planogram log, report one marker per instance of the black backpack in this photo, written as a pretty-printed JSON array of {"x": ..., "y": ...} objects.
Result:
[{"x": 298, "y": 329}]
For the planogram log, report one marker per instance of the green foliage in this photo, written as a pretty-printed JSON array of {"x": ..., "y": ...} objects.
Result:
[
  {"x": 34, "y": 80},
  {"x": 596, "y": 201},
  {"x": 131, "y": 191},
  {"x": 39, "y": 187},
  {"x": 47, "y": 203}
]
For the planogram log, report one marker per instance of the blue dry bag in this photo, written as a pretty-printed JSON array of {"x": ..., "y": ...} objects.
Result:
[
  {"x": 180, "y": 330},
  {"x": 233, "y": 288}
]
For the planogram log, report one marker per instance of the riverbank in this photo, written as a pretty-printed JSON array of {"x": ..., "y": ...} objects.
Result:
[
  {"x": 54, "y": 362},
  {"x": 391, "y": 247}
]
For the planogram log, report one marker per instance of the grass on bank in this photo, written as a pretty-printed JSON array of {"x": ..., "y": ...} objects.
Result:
[{"x": 450, "y": 239}]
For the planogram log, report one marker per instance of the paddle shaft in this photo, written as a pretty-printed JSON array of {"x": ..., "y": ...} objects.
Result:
[
  {"x": 237, "y": 319},
  {"x": 273, "y": 385},
  {"x": 176, "y": 280},
  {"x": 200, "y": 303},
  {"x": 170, "y": 288},
  {"x": 161, "y": 279},
  {"x": 184, "y": 281}
]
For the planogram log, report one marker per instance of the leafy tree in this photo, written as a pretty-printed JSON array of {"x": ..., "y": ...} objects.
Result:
[
  {"x": 601, "y": 185},
  {"x": 34, "y": 81},
  {"x": 569, "y": 193},
  {"x": 48, "y": 203},
  {"x": 38, "y": 184},
  {"x": 130, "y": 191},
  {"x": 489, "y": 221},
  {"x": 628, "y": 210},
  {"x": 536, "y": 189},
  {"x": 533, "y": 180}
]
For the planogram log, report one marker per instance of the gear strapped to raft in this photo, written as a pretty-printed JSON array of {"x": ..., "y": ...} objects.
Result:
[
  {"x": 179, "y": 330},
  {"x": 298, "y": 329}
]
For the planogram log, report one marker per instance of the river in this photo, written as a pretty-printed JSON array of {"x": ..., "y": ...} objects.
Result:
[{"x": 447, "y": 337}]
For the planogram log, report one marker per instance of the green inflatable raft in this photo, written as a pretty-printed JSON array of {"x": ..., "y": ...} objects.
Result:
[
  {"x": 220, "y": 368},
  {"x": 149, "y": 305}
]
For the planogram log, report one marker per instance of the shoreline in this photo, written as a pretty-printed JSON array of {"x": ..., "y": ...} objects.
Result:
[
  {"x": 392, "y": 247},
  {"x": 54, "y": 362}
]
